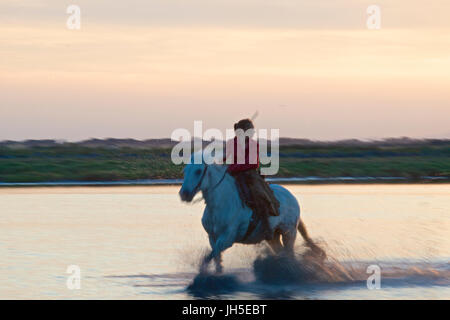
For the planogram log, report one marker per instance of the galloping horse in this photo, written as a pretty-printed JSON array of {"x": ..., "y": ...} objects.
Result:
[{"x": 226, "y": 219}]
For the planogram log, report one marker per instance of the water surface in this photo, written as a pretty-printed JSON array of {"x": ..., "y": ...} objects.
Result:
[{"x": 143, "y": 243}]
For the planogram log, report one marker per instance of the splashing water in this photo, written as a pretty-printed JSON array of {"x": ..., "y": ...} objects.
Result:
[
  {"x": 301, "y": 268},
  {"x": 283, "y": 276}
]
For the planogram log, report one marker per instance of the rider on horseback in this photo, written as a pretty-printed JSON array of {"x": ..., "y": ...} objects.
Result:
[{"x": 243, "y": 153}]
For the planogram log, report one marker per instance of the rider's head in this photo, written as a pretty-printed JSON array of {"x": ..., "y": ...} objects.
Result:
[{"x": 244, "y": 124}]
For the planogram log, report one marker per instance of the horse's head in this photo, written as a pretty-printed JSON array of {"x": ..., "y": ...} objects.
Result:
[{"x": 193, "y": 177}]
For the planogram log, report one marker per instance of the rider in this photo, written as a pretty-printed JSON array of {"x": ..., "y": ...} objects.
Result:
[{"x": 253, "y": 189}]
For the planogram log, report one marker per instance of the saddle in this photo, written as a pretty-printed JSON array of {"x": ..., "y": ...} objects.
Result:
[{"x": 258, "y": 196}]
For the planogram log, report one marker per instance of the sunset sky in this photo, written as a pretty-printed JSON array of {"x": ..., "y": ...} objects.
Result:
[{"x": 140, "y": 68}]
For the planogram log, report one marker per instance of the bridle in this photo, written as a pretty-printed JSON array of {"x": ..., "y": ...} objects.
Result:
[{"x": 197, "y": 187}]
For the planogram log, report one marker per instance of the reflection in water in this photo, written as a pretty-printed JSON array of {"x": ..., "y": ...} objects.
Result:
[{"x": 142, "y": 243}]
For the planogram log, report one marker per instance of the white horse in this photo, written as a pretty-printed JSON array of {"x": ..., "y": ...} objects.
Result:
[{"x": 226, "y": 219}]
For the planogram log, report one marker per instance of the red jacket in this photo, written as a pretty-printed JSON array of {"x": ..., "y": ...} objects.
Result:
[{"x": 251, "y": 159}]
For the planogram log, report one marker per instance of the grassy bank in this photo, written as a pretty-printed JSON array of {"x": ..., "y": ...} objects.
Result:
[{"x": 74, "y": 162}]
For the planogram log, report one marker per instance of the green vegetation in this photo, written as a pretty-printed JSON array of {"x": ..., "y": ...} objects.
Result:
[{"x": 75, "y": 162}]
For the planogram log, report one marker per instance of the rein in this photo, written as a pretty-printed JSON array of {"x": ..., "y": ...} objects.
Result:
[{"x": 201, "y": 180}]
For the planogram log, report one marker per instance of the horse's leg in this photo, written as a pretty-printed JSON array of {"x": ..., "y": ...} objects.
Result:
[
  {"x": 207, "y": 260},
  {"x": 222, "y": 243},
  {"x": 289, "y": 241},
  {"x": 218, "y": 258},
  {"x": 275, "y": 243},
  {"x": 218, "y": 261},
  {"x": 205, "y": 263}
]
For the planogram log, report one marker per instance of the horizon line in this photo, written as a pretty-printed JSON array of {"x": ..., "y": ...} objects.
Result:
[{"x": 63, "y": 141}]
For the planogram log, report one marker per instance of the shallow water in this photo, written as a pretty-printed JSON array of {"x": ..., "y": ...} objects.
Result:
[{"x": 143, "y": 243}]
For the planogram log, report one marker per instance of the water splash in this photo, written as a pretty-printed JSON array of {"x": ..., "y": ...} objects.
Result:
[
  {"x": 302, "y": 268},
  {"x": 205, "y": 285},
  {"x": 305, "y": 274}
]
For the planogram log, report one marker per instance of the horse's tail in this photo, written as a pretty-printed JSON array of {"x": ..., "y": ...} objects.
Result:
[{"x": 309, "y": 242}]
